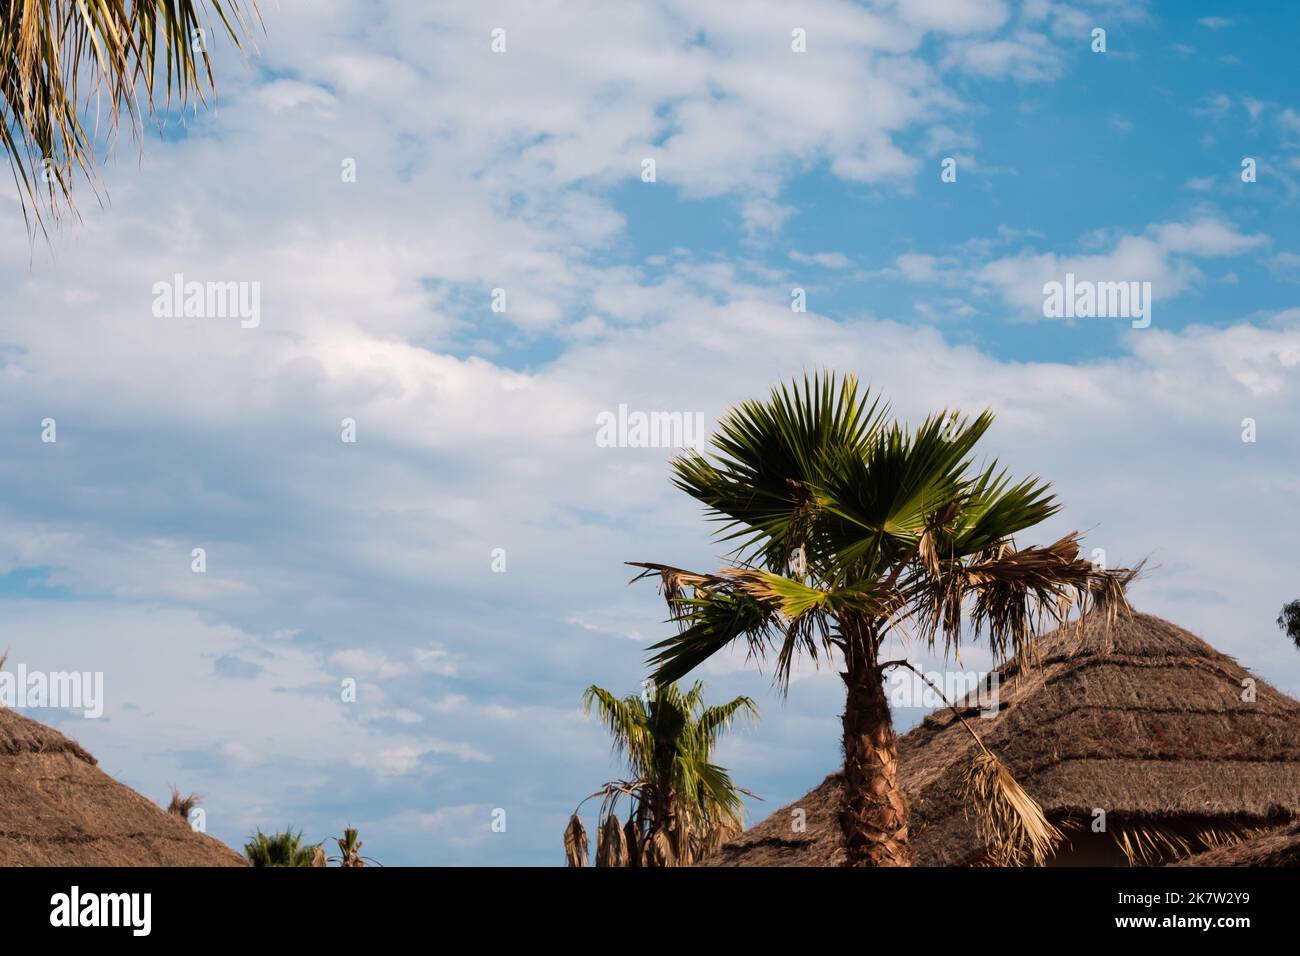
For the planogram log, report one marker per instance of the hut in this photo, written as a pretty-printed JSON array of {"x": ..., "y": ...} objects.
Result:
[
  {"x": 57, "y": 808},
  {"x": 1139, "y": 740}
]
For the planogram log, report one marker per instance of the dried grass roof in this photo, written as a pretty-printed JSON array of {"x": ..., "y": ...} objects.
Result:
[
  {"x": 1143, "y": 719},
  {"x": 1276, "y": 847},
  {"x": 57, "y": 808}
]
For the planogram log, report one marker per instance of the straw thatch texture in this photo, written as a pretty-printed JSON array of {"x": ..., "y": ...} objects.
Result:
[
  {"x": 1143, "y": 720},
  {"x": 1277, "y": 847},
  {"x": 57, "y": 808}
]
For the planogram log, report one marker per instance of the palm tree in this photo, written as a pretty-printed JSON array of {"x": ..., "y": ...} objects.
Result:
[
  {"x": 1288, "y": 621},
  {"x": 56, "y": 55},
  {"x": 350, "y": 849},
  {"x": 682, "y": 805},
  {"x": 848, "y": 528},
  {"x": 280, "y": 849}
]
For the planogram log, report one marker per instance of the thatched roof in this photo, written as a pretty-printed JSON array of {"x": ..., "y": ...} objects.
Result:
[
  {"x": 57, "y": 808},
  {"x": 1276, "y": 847},
  {"x": 1143, "y": 720}
]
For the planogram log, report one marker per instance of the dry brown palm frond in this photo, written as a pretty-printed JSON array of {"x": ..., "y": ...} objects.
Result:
[
  {"x": 926, "y": 553},
  {"x": 632, "y": 843},
  {"x": 350, "y": 849},
  {"x": 716, "y": 836},
  {"x": 659, "y": 849},
  {"x": 673, "y": 583},
  {"x": 682, "y": 835},
  {"x": 318, "y": 857},
  {"x": 1011, "y": 823},
  {"x": 1017, "y": 593},
  {"x": 611, "y": 846},
  {"x": 181, "y": 806},
  {"x": 1108, "y": 594},
  {"x": 575, "y": 843}
]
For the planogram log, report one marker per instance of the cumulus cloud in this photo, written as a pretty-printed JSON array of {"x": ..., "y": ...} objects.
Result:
[{"x": 1163, "y": 254}]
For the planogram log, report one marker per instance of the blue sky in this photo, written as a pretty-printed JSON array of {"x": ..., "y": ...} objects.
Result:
[{"x": 521, "y": 170}]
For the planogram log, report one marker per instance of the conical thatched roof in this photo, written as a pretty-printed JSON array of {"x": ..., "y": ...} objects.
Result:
[
  {"x": 1143, "y": 720},
  {"x": 57, "y": 808}
]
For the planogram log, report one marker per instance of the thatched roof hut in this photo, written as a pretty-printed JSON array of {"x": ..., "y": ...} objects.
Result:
[
  {"x": 57, "y": 808},
  {"x": 1176, "y": 742}
]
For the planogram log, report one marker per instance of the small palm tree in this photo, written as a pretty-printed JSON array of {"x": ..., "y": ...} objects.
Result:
[
  {"x": 350, "y": 850},
  {"x": 280, "y": 849},
  {"x": 682, "y": 805},
  {"x": 849, "y": 528},
  {"x": 56, "y": 54},
  {"x": 1288, "y": 621}
]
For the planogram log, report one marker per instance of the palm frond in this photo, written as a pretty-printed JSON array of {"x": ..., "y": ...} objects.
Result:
[
  {"x": 57, "y": 56},
  {"x": 713, "y": 620},
  {"x": 679, "y": 797},
  {"x": 769, "y": 457},
  {"x": 1011, "y": 823},
  {"x": 575, "y": 842},
  {"x": 1014, "y": 594},
  {"x": 279, "y": 849},
  {"x": 611, "y": 845},
  {"x": 1288, "y": 621},
  {"x": 713, "y": 721},
  {"x": 625, "y": 719}
]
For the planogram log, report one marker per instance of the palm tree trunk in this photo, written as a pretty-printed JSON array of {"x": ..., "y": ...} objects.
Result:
[{"x": 874, "y": 817}]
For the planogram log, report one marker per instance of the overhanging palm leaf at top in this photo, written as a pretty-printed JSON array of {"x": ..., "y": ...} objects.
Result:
[{"x": 57, "y": 57}]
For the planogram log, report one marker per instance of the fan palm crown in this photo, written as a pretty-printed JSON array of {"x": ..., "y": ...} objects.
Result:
[{"x": 847, "y": 526}]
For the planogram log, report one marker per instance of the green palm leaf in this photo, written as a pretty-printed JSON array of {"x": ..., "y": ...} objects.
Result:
[
  {"x": 683, "y": 803},
  {"x": 892, "y": 525}
]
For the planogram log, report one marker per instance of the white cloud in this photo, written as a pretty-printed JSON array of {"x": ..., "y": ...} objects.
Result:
[
  {"x": 435, "y": 660},
  {"x": 1215, "y": 106},
  {"x": 1162, "y": 255},
  {"x": 361, "y": 661},
  {"x": 917, "y": 267},
  {"x": 1025, "y": 57},
  {"x": 403, "y": 759},
  {"x": 1286, "y": 265},
  {"x": 955, "y": 16},
  {"x": 828, "y": 260},
  {"x": 1205, "y": 237}
]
